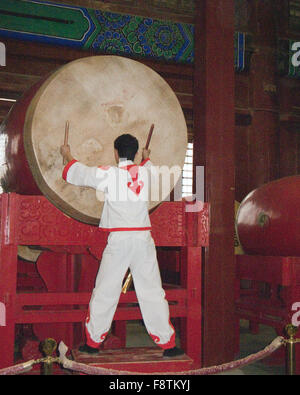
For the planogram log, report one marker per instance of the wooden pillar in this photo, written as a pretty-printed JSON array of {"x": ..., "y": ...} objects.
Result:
[
  {"x": 8, "y": 281},
  {"x": 263, "y": 93},
  {"x": 214, "y": 149},
  {"x": 190, "y": 331}
]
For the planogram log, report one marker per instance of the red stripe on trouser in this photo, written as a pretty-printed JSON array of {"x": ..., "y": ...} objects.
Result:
[
  {"x": 165, "y": 346},
  {"x": 89, "y": 341}
]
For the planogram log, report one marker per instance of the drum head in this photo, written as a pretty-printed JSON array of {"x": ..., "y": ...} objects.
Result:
[{"x": 102, "y": 97}]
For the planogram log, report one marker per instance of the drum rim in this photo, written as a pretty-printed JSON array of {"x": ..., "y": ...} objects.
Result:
[{"x": 46, "y": 190}]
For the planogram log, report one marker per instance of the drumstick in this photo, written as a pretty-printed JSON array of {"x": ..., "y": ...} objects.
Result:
[
  {"x": 66, "y": 138},
  {"x": 128, "y": 280},
  {"x": 149, "y": 136}
]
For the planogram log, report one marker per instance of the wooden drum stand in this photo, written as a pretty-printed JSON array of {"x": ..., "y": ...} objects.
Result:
[{"x": 68, "y": 266}]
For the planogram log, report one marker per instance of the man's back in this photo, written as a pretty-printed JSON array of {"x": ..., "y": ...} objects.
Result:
[{"x": 126, "y": 192}]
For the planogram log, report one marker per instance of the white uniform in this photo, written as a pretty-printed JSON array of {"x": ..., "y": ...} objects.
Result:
[{"x": 130, "y": 245}]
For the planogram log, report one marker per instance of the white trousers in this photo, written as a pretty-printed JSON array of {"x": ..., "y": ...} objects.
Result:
[{"x": 134, "y": 250}]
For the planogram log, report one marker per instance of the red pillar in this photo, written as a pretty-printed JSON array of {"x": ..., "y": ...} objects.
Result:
[
  {"x": 190, "y": 332},
  {"x": 214, "y": 149},
  {"x": 8, "y": 283}
]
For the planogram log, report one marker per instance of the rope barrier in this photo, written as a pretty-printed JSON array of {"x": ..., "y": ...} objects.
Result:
[
  {"x": 17, "y": 369},
  {"x": 93, "y": 370}
]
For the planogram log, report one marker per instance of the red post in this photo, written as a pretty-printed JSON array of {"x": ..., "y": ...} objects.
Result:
[
  {"x": 293, "y": 303},
  {"x": 214, "y": 148},
  {"x": 8, "y": 282},
  {"x": 191, "y": 333}
]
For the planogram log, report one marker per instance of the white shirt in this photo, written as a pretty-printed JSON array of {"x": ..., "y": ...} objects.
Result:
[{"x": 126, "y": 189}]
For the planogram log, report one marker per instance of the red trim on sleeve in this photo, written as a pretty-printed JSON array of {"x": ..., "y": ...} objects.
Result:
[
  {"x": 67, "y": 167},
  {"x": 144, "y": 161}
]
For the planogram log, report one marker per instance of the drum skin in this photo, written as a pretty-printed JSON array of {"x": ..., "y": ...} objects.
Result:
[
  {"x": 101, "y": 97},
  {"x": 268, "y": 219}
]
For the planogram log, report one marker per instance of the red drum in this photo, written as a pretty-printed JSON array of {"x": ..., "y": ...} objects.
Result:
[
  {"x": 101, "y": 97},
  {"x": 268, "y": 219}
]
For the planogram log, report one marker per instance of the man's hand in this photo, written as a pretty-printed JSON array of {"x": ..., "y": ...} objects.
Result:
[
  {"x": 146, "y": 153},
  {"x": 65, "y": 151}
]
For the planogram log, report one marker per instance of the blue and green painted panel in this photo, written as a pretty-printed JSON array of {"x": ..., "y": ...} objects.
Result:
[
  {"x": 144, "y": 37},
  {"x": 107, "y": 32},
  {"x": 46, "y": 22}
]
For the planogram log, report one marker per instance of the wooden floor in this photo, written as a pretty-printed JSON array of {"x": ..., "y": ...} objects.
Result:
[{"x": 135, "y": 359}]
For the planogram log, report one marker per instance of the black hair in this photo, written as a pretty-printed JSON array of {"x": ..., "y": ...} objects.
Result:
[{"x": 127, "y": 146}]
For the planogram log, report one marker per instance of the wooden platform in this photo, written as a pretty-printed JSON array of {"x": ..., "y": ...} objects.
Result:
[{"x": 141, "y": 359}]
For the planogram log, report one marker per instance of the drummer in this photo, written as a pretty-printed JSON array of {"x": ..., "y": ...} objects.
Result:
[{"x": 130, "y": 245}]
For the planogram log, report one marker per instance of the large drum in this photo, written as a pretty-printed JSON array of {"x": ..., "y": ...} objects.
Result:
[
  {"x": 101, "y": 97},
  {"x": 268, "y": 219}
]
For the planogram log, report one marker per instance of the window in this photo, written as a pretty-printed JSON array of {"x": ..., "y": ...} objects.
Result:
[
  {"x": 187, "y": 172},
  {"x": 5, "y": 105},
  {"x": 3, "y": 142},
  {"x": 294, "y": 15}
]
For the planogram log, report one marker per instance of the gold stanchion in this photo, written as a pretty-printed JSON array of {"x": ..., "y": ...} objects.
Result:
[
  {"x": 49, "y": 346},
  {"x": 290, "y": 343},
  {"x": 127, "y": 283}
]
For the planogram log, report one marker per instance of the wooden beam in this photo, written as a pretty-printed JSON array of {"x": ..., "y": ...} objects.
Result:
[
  {"x": 60, "y": 55},
  {"x": 182, "y": 12},
  {"x": 14, "y": 82}
]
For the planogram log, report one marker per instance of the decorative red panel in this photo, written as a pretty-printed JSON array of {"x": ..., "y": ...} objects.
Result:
[
  {"x": 168, "y": 223},
  {"x": 33, "y": 220}
]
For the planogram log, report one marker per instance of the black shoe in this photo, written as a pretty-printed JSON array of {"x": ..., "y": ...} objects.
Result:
[
  {"x": 173, "y": 352},
  {"x": 88, "y": 350}
]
